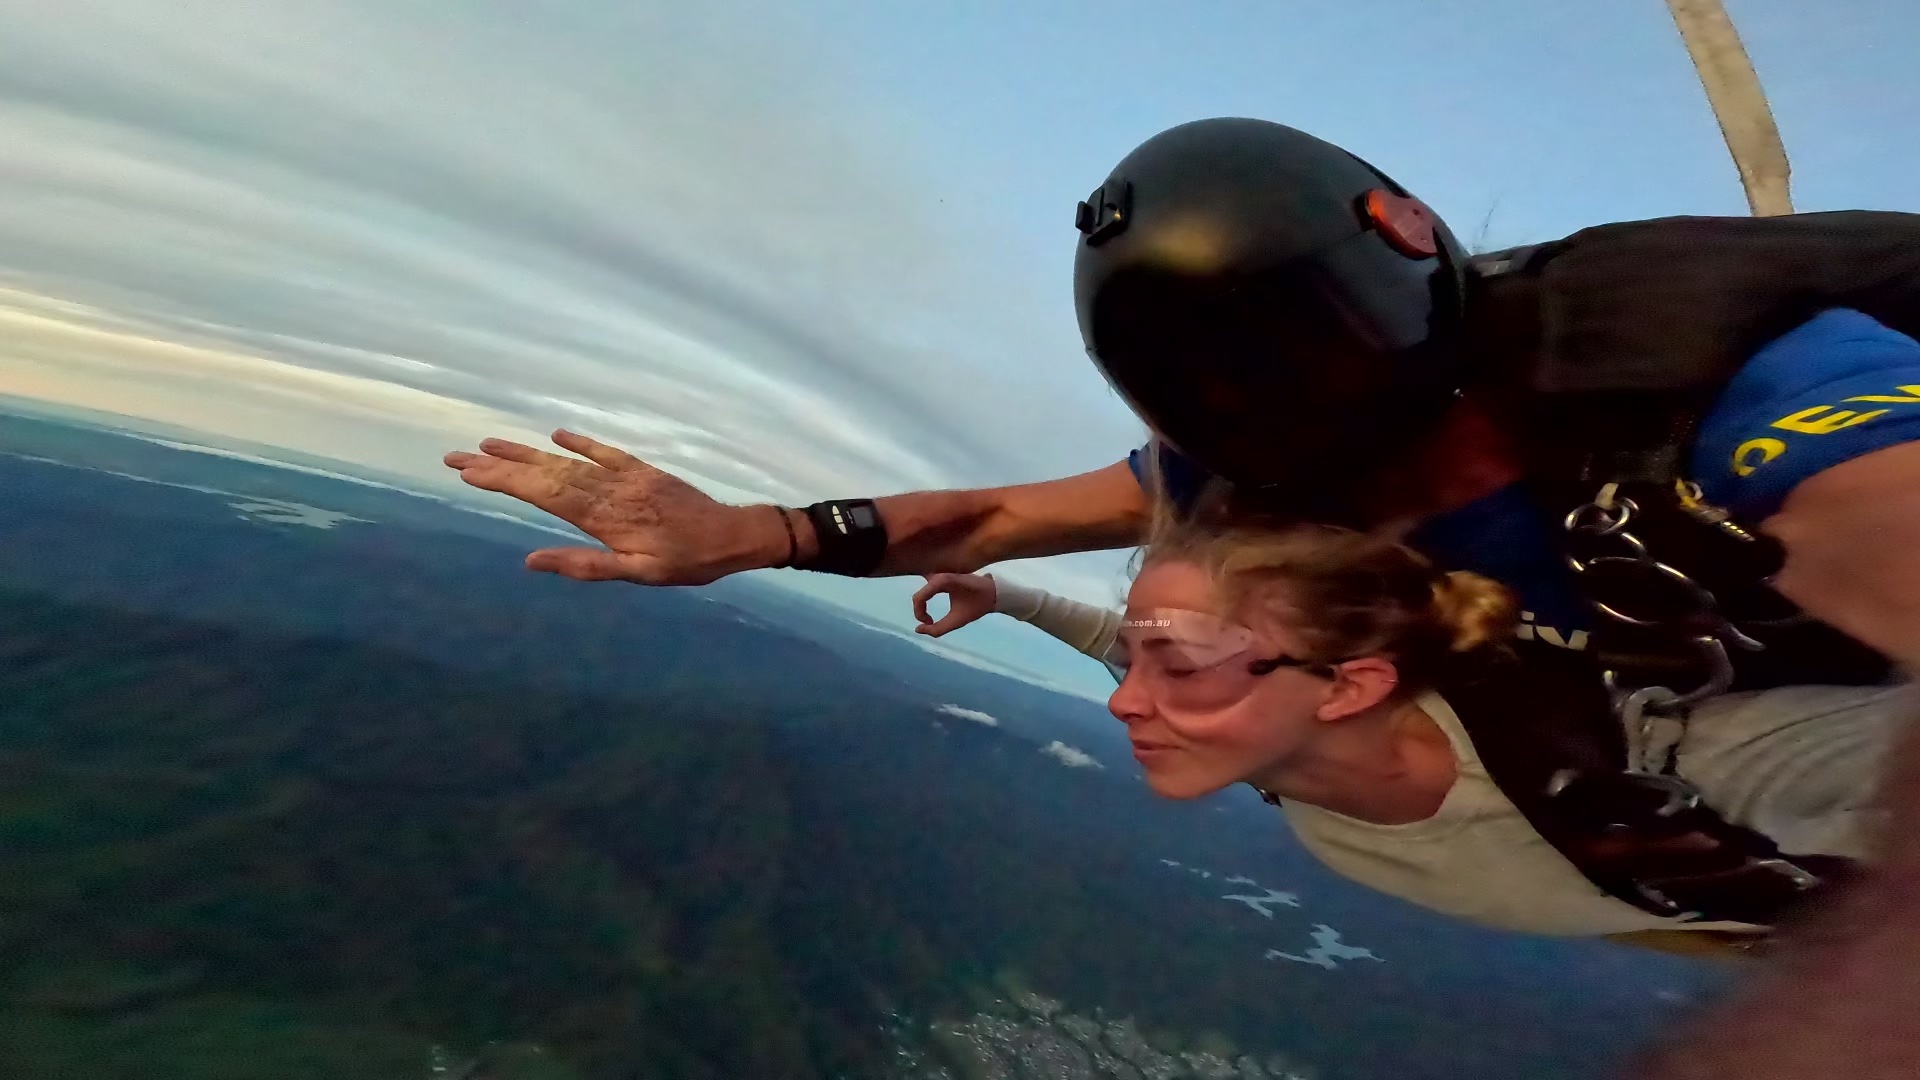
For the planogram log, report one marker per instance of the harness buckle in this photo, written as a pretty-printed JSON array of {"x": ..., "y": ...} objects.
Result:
[
  {"x": 1798, "y": 875},
  {"x": 1619, "y": 801},
  {"x": 1778, "y": 870}
]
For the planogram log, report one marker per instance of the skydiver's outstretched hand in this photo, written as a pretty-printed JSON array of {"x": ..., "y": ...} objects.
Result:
[
  {"x": 969, "y": 596},
  {"x": 658, "y": 529}
]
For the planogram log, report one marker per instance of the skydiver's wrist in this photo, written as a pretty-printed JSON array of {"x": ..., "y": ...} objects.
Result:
[
  {"x": 773, "y": 537},
  {"x": 806, "y": 537}
]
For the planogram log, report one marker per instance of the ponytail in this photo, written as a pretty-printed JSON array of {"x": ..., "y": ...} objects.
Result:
[{"x": 1473, "y": 610}]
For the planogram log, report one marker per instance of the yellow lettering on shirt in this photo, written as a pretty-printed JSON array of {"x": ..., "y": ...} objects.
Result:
[
  {"x": 1819, "y": 420},
  {"x": 1810, "y": 422},
  {"x": 1754, "y": 453},
  {"x": 1911, "y": 397}
]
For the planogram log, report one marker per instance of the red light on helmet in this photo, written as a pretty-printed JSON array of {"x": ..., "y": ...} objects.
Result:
[{"x": 1404, "y": 221}]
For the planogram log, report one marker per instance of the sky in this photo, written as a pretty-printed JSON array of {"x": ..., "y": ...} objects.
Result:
[{"x": 787, "y": 251}]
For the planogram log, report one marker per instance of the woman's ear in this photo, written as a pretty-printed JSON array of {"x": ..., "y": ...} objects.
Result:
[{"x": 1358, "y": 685}]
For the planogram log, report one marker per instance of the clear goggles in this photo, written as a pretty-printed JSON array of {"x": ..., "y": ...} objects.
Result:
[{"x": 1192, "y": 661}]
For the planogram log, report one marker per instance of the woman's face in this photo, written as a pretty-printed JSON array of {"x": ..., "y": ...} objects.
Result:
[{"x": 1199, "y": 721}]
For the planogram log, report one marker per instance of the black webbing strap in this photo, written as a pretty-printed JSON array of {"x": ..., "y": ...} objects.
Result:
[{"x": 1545, "y": 730}]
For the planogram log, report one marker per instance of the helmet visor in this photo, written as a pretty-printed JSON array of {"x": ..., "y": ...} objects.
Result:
[{"x": 1280, "y": 380}]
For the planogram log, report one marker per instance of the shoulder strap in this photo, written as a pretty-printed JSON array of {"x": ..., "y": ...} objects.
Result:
[
  {"x": 1621, "y": 335},
  {"x": 1679, "y": 303},
  {"x": 1546, "y": 733}
]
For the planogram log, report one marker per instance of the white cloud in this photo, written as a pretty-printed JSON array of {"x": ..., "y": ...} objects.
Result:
[
  {"x": 383, "y": 231},
  {"x": 1070, "y": 756},
  {"x": 255, "y": 459},
  {"x": 974, "y": 715},
  {"x": 1328, "y": 950},
  {"x": 1264, "y": 903},
  {"x": 249, "y": 507},
  {"x": 282, "y": 512}
]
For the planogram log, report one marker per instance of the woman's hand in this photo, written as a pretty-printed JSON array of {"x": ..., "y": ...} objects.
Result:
[{"x": 969, "y": 596}]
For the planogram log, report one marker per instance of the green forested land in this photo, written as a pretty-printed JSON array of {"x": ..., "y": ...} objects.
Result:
[{"x": 227, "y": 856}]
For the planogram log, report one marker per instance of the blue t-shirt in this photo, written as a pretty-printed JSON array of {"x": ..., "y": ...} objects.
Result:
[{"x": 1837, "y": 387}]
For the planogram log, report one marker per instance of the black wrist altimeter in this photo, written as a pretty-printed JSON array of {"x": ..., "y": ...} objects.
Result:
[{"x": 851, "y": 537}]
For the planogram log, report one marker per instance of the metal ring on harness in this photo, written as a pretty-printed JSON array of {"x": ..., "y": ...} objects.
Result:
[
  {"x": 1704, "y": 603},
  {"x": 1637, "y": 712},
  {"x": 1639, "y": 550},
  {"x": 1719, "y": 676},
  {"x": 1608, "y": 524},
  {"x": 1702, "y": 600}
]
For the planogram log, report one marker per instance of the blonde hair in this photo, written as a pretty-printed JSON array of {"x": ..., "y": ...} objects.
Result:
[{"x": 1346, "y": 594}]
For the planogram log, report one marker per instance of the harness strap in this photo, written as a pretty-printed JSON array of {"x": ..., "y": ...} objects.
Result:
[
  {"x": 1606, "y": 348},
  {"x": 1546, "y": 732}
]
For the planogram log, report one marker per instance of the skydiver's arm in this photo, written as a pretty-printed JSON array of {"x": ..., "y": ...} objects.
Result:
[
  {"x": 1818, "y": 439},
  {"x": 959, "y": 532},
  {"x": 1852, "y": 538},
  {"x": 660, "y": 530}
]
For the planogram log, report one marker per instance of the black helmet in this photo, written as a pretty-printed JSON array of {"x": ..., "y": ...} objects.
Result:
[{"x": 1279, "y": 311}]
